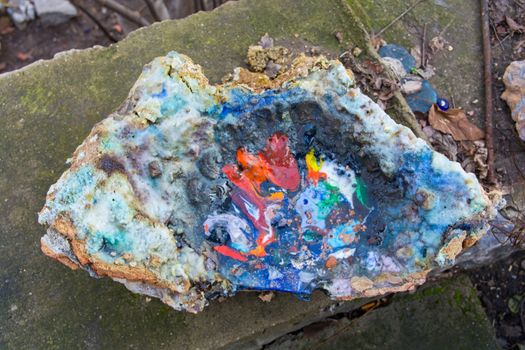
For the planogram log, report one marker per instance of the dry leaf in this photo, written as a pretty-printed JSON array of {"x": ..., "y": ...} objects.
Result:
[
  {"x": 377, "y": 42},
  {"x": 455, "y": 123},
  {"x": 339, "y": 36},
  {"x": 437, "y": 44},
  {"x": 22, "y": 56},
  {"x": 266, "y": 41},
  {"x": 513, "y": 25},
  {"x": 117, "y": 27}
]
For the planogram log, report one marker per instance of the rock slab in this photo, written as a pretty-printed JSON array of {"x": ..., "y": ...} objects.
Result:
[
  {"x": 54, "y": 12},
  {"x": 514, "y": 94}
]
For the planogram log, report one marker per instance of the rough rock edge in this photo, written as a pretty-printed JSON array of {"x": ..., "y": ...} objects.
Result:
[{"x": 60, "y": 242}]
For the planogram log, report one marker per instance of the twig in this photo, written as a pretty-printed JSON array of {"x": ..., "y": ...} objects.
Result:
[
  {"x": 522, "y": 7},
  {"x": 451, "y": 94},
  {"x": 152, "y": 10},
  {"x": 487, "y": 58},
  {"x": 158, "y": 9},
  {"x": 133, "y": 16},
  {"x": 446, "y": 28},
  {"x": 423, "y": 47},
  {"x": 496, "y": 34},
  {"x": 399, "y": 17},
  {"x": 94, "y": 19}
]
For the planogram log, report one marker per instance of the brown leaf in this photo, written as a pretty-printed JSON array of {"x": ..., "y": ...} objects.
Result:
[
  {"x": 22, "y": 56},
  {"x": 513, "y": 25},
  {"x": 437, "y": 44},
  {"x": 7, "y": 30},
  {"x": 372, "y": 67},
  {"x": 117, "y": 27},
  {"x": 455, "y": 123},
  {"x": 501, "y": 30},
  {"x": 339, "y": 36},
  {"x": 377, "y": 42}
]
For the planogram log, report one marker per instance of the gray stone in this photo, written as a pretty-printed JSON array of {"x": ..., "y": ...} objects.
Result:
[
  {"x": 21, "y": 12},
  {"x": 47, "y": 110},
  {"x": 54, "y": 12},
  {"x": 447, "y": 315}
]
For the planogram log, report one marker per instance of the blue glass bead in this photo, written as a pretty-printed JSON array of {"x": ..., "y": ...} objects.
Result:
[{"x": 443, "y": 104}]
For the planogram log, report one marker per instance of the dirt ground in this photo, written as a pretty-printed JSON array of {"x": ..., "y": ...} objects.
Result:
[{"x": 501, "y": 285}]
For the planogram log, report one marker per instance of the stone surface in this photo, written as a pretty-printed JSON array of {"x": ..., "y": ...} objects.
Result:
[
  {"x": 192, "y": 191},
  {"x": 514, "y": 94},
  {"x": 440, "y": 316},
  {"x": 49, "y": 107},
  {"x": 55, "y": 105},
  {"x": 54, "y": 12}
]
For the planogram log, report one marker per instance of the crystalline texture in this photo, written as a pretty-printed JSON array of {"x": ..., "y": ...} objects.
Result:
[{"x": 190, "y": 191}]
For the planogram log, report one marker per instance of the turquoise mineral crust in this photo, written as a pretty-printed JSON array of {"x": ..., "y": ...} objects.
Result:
[{"x": 192, "y": 191}]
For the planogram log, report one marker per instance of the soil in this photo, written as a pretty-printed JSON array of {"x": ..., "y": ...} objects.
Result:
[
  {"x": 501, "y": 285},
  {"x": 22, "y": 47},
  {"x": 501, "y": 289}
]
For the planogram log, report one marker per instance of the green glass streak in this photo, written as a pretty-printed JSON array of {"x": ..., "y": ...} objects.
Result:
[{"x": 361, "y": 191}]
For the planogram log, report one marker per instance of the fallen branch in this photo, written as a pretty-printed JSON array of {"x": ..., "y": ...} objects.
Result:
[
  {"x": 423, "y": 63},
  {"x": 126, "y": 12},
  {"x": 158, "y": 9},
  {"x": 92, "y": 16},
  {"x": 487, "y": 60}
]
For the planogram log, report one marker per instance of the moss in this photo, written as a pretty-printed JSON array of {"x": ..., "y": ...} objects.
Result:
[{"x": 50, "y": 107}]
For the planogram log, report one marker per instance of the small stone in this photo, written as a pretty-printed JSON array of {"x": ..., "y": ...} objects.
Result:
[
  {"x": 133, "y": 264},
  {"x": 357, "y": 51},
  {"x": 21, "y": 12},
  {"x": 339, "y": 36},
  {"x": 54, "y": 12},
  {"x": 266, "y": 296},
  {"x": 410, "y": 87},
  {"x": 514, "y": 303},
  {"x": 13, "y": 308},
  {"x": 395, "y": 66},
  {"x": 272, "y": 69},
  {"x": 514, "y": 94}
]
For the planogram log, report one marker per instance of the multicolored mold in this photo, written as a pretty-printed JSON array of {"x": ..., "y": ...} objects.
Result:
[{"x": 192, "y": 191}]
